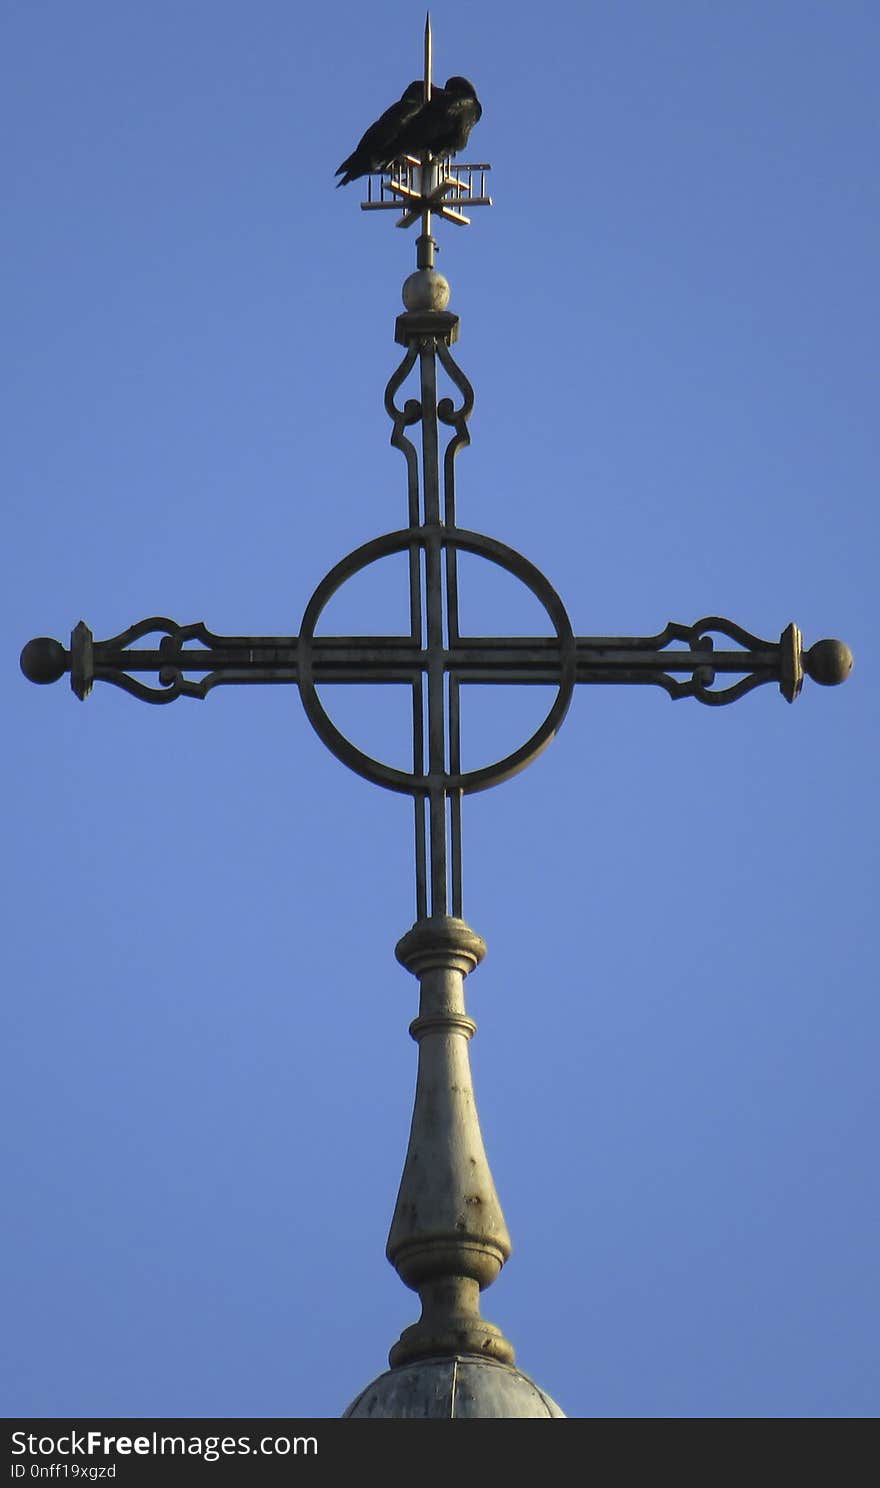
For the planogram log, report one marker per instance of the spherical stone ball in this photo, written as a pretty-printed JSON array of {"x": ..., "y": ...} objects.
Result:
[{"x": 426, "y": 290}]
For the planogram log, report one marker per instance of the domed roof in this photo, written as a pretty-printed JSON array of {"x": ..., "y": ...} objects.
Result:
[{"x": 459, "y": 1387}]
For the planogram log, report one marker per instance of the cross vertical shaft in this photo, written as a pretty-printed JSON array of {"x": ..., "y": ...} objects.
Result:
[{"x": 426, "y": 331}]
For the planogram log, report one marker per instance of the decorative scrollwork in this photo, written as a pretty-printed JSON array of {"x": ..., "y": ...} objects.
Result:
[
  {"x": 454, "y": 418},
  {"x": 173, "y": 686},
  {"x": 404, "y": 418},
  {"x": 759, "y": 658},
  {"x": 703, "y": 630},
  {"x": 223, "y": 659},
  {"x": 700, "y": 686},
  {"x": 446, "y": 412},
  {"x": 160, "y": 625},
  {"x": 172, "y": 683}
]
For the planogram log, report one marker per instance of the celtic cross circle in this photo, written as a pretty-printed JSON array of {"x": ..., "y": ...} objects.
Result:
[{"x": 449, "y": 657}]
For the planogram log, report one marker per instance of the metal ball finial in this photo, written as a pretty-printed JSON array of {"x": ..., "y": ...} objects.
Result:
[
  {"x": 828, "y": 662},
  {"x": 43, "y": 660}
]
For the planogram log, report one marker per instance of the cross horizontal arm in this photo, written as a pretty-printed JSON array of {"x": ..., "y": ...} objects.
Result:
[{"x": 677, "y": 651}]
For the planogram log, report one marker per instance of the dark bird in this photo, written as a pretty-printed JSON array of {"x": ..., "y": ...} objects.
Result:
[
  {"x": 444, "y": 124},
  {"x": 380, "y": 145}
]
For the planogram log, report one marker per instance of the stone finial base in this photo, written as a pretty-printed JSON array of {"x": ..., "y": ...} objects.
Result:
[
  {"x": 450, "y": 1324},
  {"x": 448, "y": 1238}
]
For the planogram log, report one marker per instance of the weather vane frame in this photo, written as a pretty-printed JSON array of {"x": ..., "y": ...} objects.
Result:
[{"x": 422, "y": 184}]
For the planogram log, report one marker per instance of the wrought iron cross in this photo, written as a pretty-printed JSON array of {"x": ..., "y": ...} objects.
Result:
[
  {"x": 433, "y": 658},
  {"x": 448, "y": 1237}
]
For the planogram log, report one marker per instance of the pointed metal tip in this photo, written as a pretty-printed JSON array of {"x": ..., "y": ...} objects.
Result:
[{"x": 428, "y": 56}]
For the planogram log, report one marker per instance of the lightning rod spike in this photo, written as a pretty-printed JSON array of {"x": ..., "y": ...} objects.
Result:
[{"x": 428, "y": 56}]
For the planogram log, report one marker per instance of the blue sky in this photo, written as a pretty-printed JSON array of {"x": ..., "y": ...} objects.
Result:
[{"x": 670, "y": 319}]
